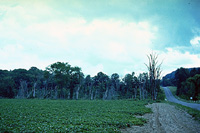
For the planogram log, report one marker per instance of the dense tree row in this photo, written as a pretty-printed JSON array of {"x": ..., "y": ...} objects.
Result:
[
  {"x": 62, "y": 81},
  {"x": 191, "y": 88},
  {"x": 187, "y": 82},
  {"x": 171, "y": 80}
]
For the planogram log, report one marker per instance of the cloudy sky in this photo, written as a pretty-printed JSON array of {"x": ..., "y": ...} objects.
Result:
[{"x": 99, "y": 35}]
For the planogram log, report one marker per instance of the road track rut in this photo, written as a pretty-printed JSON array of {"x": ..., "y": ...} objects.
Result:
[{"x": 166, "y": 119}]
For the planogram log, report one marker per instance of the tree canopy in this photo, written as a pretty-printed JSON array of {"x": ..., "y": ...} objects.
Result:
[{"x": 60, "y": 80}]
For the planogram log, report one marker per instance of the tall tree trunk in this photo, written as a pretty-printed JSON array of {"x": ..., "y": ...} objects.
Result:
[
  {"x": 71, "y": 92},
  {"x": 77, "y": 92},
  {"x": 106, "y": 94},
  {"x": 96, "y": 92},
  {"x": 56, "y": 93},
  {"x": 143, "y": 91},
  {"x": 91, "y": 96},
  {"x": 90, "y": 92},
  {"x": 127, "y": 93},
  {"x": 155, "y": 89},
  {"x": 111, "y": 92},
  {"x": 23, "y": 91},
  {"x": 34, "y": 87},
  {"x": 43, "y": 93},
  {"x": 135, "y": 92},
  {"x": 140, "y": 92},
  {"x": 68, "y": 96}
]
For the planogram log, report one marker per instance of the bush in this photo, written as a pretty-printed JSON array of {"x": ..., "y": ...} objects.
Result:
[{"x": 161, "y": 96}]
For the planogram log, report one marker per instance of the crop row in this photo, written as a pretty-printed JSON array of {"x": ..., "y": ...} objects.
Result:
[{"x": 69, "y": 116}]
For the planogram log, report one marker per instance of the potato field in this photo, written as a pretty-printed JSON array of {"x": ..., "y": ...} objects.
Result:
[{"x": 34, "y": 115}]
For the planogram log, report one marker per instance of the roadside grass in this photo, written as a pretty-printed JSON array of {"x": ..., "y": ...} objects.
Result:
[
  {"x": 36, "y": 115},
  {"x": 163, "y": 93},
  {"x": 193, "y": 112},
  {"x": 173, "y": 90}
]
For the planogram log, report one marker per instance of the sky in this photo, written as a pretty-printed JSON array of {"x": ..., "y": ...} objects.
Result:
[{"x": 111, "y": 36}]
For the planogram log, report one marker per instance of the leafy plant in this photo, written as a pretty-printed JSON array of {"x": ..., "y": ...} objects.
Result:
[{"x": 35, "y": 115}]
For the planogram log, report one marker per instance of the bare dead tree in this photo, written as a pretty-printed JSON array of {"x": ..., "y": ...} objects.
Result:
[
  {"x": 23, "y": 89},
  {"x": 154, "y": 74},
  {"x": 142, "y": 85},
  {"x": 34, "y": 88},
  {"x": 105, "y": 94},
  {"x": 77, "y": 91}
]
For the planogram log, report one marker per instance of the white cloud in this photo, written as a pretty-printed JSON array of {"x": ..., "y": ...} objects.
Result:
[
  {"x": 45, "y": 38},
  {"x": 92, "y": 70},
  {"x": 174, "y": 59},
  {"x": 35, "y": 34},
  {"x": 195, "y": 42},
  {"x": 112, "y": 39},
  {"x": 87, "y": 68},
  {"x": 14, "y": 56}
]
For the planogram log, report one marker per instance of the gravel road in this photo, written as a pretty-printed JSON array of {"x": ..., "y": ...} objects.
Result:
[
  {"x": 171, "y": 98},
  {"x": 166, "y": 119}
]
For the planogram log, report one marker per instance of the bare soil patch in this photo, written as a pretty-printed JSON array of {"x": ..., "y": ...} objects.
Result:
[{"x": 166, "y": 119}]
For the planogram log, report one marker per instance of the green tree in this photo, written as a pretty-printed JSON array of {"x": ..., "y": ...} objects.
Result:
[
  {"x": 36, "y": 78},
  {"x": 193, "y": 72},
  {"x": 61, "y": 77},
  {"x": 194, "y": 86},
  {"x": 101, "y": 82},
  {"x": 128, "y": 80},
  {"x": 76, "y": 80},
  {"x": 22, "y": 80},
  {"x": 115, "y": 84},
  {"x": 89, "y": 87},
  {"x": 143, "y": 85},
  {"x": 181, "y": 75},
  {"x": 6, "y": 84}
]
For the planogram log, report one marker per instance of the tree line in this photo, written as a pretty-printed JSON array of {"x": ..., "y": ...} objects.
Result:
[
  {"x": 62, "y": 81},
  {"x": 187, "y": 82}
]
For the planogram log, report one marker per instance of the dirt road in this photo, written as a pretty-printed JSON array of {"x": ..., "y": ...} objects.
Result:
[
  {"x": 171, "y": 98},
  {"x": 166, "y": 119}
]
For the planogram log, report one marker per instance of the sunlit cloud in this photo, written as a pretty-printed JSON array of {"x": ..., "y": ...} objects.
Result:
[
  {"x": 13, "y": 57},
  {"x": 111, "y": 40},
  {"x": 74, "y": 39},
  {"x": 173, "y": 59},
  {"x": 195, "y": 42}
]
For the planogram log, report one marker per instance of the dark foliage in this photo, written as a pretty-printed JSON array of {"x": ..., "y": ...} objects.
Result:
[
  {"x": 186, "y": 80},
  {"x": 62, "y": 81}
]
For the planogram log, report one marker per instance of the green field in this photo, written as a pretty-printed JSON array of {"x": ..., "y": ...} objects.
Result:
[{"x": 69, "y": 116}]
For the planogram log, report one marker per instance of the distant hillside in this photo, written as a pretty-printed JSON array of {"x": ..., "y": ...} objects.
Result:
[
  {"x": 169, "y": 79},
  {"x": 172, "y": 74}
]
